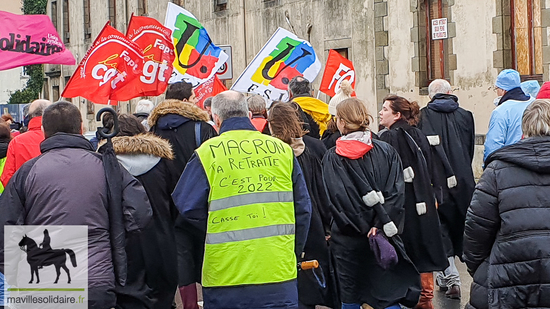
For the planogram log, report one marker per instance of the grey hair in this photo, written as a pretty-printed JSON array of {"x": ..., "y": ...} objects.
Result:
[
  {"x": 256, "y": 104},
  {"x": 37, "y": 107},
  {"x": 439, "y": 86},
  {"x": 536, "y": 119},
  {"x": 229, "y": 104}
]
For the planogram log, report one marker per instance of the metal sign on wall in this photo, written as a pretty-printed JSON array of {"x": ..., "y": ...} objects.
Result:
[
  {"x": 226, "y": 70},
  {"x": 439, "y": 29}
]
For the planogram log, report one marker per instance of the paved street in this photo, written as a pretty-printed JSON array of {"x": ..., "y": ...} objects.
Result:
[{"x": 440, "y": 302}]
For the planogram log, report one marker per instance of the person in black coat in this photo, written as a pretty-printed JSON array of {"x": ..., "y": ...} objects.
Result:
[
  {"x": 508, "y": 222},
  {"x": 451, "y": 128},
  {"x": 284, "y": 124},
  {"x": 364, "y": 180},
  {"x": 185, "y": 126},
  {"x": 152, "y": 256},
  {"x": 421, "y": 232}
]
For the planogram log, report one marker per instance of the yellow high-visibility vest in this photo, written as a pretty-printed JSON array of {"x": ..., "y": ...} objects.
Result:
[{"x": 251, "y": 222}]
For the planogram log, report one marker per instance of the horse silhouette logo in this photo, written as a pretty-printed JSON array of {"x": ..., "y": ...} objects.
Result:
[{"x": 44, "y": 255}]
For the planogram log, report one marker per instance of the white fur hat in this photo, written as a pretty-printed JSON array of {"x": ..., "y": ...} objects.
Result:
[
  {"x": 344, "y": 93},
  {"x": 144, "y": 106}
]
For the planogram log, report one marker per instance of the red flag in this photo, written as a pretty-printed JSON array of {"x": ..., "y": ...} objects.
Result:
[
  {"x": 30, "y": 39},
  {"x": 158, "y": 50},
  {"x": 208, "y": 89},
  {"x": 337, "y": 69},
  {"x": 111, "y": 64}
]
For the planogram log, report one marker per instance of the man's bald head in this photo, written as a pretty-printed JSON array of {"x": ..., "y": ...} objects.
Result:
[
  {"x": 439, "y": 86},
  {"x": 37, "y": 107},
  {"x": 229, "y": 104}
]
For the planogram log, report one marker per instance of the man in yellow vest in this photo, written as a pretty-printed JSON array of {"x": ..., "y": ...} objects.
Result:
[{"x": 246, "y": 191}]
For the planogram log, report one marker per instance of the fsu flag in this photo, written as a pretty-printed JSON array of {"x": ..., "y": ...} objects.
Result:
[
  {"x": 30, "y": 39},
  {"x": 209, "y": 89},
  {"x": 337, "y": 70},
  {"x": 107, "y": 70},
  {"x": 156, "y": 42},
  {"x": 197, "y": 58},
  {"x": 282, "y": 58}
]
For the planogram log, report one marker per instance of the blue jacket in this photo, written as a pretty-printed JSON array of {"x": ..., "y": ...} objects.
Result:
[
  {"x": 191, "y": 199},
  {"x": 505, "y": 124}
]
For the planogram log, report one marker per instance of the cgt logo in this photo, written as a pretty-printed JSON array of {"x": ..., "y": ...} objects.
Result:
[
  {"x": 154, "y": 70},
  {"x": 108, "y": 72}
]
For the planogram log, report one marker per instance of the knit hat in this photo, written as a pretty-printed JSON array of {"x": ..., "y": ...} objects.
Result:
[
  {"x": 508, "y": 79},
  {"x": 544, "y": 92},
  {"x": 144, "y": 106},
  {"x": 530, "y": 87},
  {"x": 344, "y": 93}
]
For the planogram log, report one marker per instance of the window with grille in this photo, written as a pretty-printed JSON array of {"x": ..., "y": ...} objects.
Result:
[
  {"x": 66, "y": 29},
  {"x": 436, "y": 50},
  {"x": 526, "y": 24},
  {"x": 142, "y": 7},
  {"x": 54, "y": 14},
  {"x": 220, "y": 5},
  {"x": 87, "y": 24},
  {"x": 112, "y": 12}
]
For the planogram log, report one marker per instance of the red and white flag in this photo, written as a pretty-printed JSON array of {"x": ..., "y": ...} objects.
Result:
[
  {"x": 208, "y": 89},
  {"x": 108, "y": 70},
  {"x": 337, "y": 70},
  {"x": 158, "y": 50}
]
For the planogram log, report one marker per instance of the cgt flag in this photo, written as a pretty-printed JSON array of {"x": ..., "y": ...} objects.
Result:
[
  {"x": 337, "y": 70},
  {"x": 107, "y": 70},
  {"x": 197, "y": 58},
  {"x": 208, "y": 89},
  {"x": 30, "y": 39},
  {"x": 282, "y": 58},
  {"x": 156, "y": 42}
]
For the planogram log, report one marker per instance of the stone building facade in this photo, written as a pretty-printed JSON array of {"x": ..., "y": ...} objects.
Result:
[{"x": 389, "y": 41}]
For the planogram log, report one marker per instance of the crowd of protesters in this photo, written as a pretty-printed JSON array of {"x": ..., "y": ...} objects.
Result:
[{"x": 232, "y": 201}]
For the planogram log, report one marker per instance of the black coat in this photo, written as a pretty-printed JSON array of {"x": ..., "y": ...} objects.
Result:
[
  {"x": 421, "y": 233},
  {"x": 152, "y": 254},
  {"x": 455, "y": 128},
  {"x": 360, "y": 278},
  {"x": 329, "y": 138},
  {"x": 508, "y": 227},
  {"x": 310, "y": 291},
  {"x": 175, "y": 121}
]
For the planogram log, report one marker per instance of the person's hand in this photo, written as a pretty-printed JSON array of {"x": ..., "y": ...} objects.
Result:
[{"x": 372, "y": 232}]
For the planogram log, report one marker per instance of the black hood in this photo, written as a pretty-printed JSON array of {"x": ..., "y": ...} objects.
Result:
[
  {"x": 531, "y": 153},
  {"x": 514, "y": 94},
  {"x": 65, "y": 140},
  {"x": 171, "y": 121},
  {"x": 3, "y": 149},
  {"x": 443, "y": 103}
]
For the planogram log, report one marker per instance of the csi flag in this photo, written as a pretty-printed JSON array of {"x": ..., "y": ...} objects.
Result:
[
  {"x": 337, "y": 70},
  {"x": 108, "y": 69},
  {"x": 30, "y": 39},
  {"x": 156, "y": 42},
  {"x": 197, "y": 58},
  {"x": 283, "y": 57}
]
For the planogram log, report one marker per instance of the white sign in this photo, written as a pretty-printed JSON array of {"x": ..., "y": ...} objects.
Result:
[
  {"x": 46, "y": 266},
  {"x": 226, "y": 70},
  {"x": 439, "y": 29}
]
